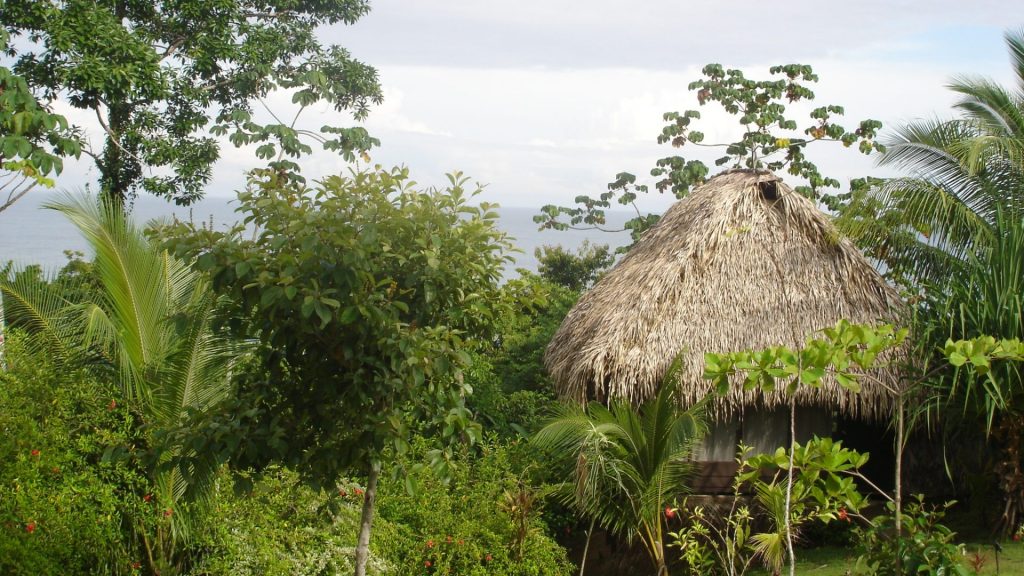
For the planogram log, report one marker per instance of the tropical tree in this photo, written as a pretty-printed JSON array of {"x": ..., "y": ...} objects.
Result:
[
  {"x": 33, "y": 140},
  {"x": 158, "y": 75},
  {"x": 365, "y": 294},
  {"x": 962, "y": 173},
  {"x": 771, "y": 139},
  {"x": 147, "y": 328},
  {"x": 575, "y": 271},
  {"x": 626, "y": 464}
]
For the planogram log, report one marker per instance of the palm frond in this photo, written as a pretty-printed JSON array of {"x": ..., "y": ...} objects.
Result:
[
  {"x": 41, "y": 308},
  {"x": 1015, "y": 43}
]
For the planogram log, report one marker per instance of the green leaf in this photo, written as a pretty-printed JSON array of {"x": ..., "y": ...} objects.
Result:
[
  {"x": 848, "y": 382},
  {"x": 349, "y": 315}
]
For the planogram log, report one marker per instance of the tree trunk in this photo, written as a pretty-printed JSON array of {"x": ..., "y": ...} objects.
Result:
[
  {"x": 789, "y": 486},
  {"x": 118, "y": 169},
  {"x": 662, "y": 567},
  {"x": 1009, "y": 437},
  {"x": 898, "y": 491},
  {"x": 363, "y": 546},
  {"x": 586, "y": 547}
]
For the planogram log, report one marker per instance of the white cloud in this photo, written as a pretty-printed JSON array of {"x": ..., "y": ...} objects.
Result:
[{"x": 549, "y": 99}]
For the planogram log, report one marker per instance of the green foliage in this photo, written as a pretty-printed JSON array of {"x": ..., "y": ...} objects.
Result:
[
  {"x": 65, "y": 508},
  {"x": 283, "y": 527},
  {"x": 146, "y": 328},
  {"x": 33, "y": 141},
  {"x": 925, "y": 545},
  {"x": 982, "y": 321},
  {"x": 824, "y": 490},
  {"x": 483, "y": 519},
  {"x": 970, "y": 330},
  {"x": 771, "y": 140},
  {"x": 624, "y": 464},
  {"x": 536, "y": 310},
  {"x": 575, "y": 271},
  {"x": 501, "y": 409},
  {"x": 845, "y": 351},
  {"x": 158, "y": 75},
  {"x": 362, "y": 292}
]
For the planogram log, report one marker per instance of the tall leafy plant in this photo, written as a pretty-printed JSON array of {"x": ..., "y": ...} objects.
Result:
[
  {"x": 161, "y": 78},
  {"x": 985, "y": 300},
  {"x": 847, "y": 352}
]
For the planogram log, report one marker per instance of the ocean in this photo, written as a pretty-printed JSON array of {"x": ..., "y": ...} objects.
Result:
[{"x": 30, "y": 234}]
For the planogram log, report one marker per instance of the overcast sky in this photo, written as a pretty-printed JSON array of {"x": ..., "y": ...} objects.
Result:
[{"x": 546, "y": 100}]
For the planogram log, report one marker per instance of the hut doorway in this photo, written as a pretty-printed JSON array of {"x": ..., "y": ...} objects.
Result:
[{"x": 876, "y": 439}]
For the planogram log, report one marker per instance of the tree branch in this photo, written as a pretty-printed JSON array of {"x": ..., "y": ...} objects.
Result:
[
  {"x": 16, "y": 194},
  {"x": 114, "y": 138}
]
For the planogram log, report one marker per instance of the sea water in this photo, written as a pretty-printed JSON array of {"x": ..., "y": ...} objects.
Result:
[{"x": 30, "y": 234}]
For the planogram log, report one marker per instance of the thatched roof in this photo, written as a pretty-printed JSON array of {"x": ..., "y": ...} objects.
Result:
[{"x": 742, "y": 263}]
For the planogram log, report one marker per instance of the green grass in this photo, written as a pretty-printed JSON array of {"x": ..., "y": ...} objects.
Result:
[{"x": 828, "y": 561}]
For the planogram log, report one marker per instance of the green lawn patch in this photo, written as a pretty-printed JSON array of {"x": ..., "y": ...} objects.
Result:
[{"x": 832, "y": 561}]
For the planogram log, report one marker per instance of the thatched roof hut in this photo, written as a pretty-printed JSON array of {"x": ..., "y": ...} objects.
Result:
[{"x": 742, "y": 263}]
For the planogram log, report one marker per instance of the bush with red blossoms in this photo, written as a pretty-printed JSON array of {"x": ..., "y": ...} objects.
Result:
[{"x": 64, "y": 507}]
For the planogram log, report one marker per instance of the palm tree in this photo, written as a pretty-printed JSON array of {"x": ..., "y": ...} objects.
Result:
[
  {"x": 145, "y": 325},
  {"x": 626, "y": 464},
  {"x": 963, "y": 171}
]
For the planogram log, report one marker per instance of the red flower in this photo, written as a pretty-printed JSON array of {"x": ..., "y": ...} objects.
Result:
[
  {"x": 843, "y": 515},
  {"x": 30, "y": 527},
  {"x": 55, "y": 470},
  {"x": 147, "y": 497},
  {"x": 168, "y": 512},
  {"x": 136, "y": 565},
  {"x": 428, "y": 563},
  {"x": 430, "y": 543},
  {"x": 488, "y": 558},
  {"x": 342, "y": 493},
  {"x": 448, "y": 539},
  {"x": 112, "y": 405},
  {"x": 460, "y": 542},
  {"x": 34, "y": 452},
  {"x": 1016, "y": 537},
  {"x": 358, "y": 491},
  {"x": 669, "y": 512}
]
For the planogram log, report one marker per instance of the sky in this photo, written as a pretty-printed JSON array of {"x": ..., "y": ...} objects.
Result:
[{"x": 544, "y": 100}]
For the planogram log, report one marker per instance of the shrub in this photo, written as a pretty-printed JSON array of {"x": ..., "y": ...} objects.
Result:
[
  {"x": 925, "y": 547},
  {"x": 482, "y": 521},
  {"x": 283, "y": 527}
]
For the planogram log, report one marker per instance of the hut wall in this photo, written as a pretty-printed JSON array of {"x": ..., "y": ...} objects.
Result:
[
  {"x": 719, "y": 444},
  {"x": 764, "y": 430}
]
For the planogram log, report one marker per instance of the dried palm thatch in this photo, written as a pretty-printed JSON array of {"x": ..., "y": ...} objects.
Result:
[{"x": 742, "y": 263}]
